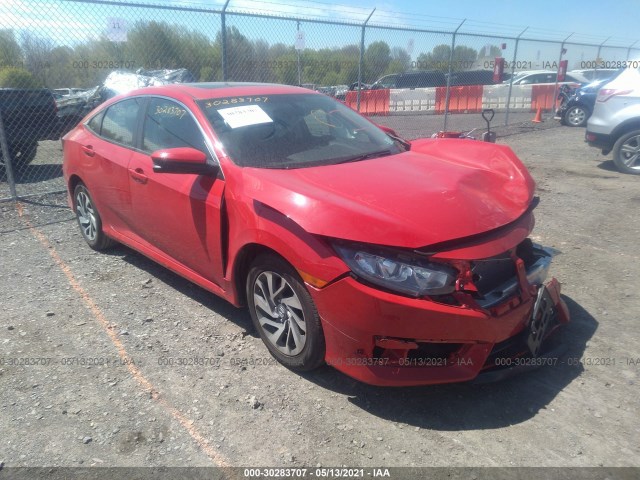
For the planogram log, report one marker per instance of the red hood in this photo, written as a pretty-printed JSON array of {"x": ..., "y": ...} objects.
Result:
[{"x": 441, "y": 190}]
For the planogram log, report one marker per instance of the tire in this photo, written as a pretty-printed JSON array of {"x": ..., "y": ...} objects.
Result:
[
  {"x": 626, "y": 153},
  {"x": 22, "y": 154},
  {"x": 577, "y": 116},
  {"x": 89, "y": 219},
  {"x": 297, "y": 344}
]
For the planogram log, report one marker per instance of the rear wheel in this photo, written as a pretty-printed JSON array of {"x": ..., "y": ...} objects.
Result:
[
  {"x": 576, "y": 116},
  {"x": 626, "y": 153},
  {"x": 21, "y": 154},
  {"x": 89, "y": 219},
  {"x": 284, "y": 314}
]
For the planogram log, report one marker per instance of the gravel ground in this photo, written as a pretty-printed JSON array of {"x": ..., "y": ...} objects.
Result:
[{"x": 103, "y": 334}]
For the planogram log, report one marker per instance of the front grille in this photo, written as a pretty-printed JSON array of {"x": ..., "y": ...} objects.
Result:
[
  {"x": 489, "y": 274},
  {"x": 496, "y": 277}
]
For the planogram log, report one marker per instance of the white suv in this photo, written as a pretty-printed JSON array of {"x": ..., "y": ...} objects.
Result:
[{"x": 615, "y": 122}]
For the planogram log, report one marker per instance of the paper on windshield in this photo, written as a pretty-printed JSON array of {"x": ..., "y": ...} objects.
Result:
[{"x": 244, "y": 115}]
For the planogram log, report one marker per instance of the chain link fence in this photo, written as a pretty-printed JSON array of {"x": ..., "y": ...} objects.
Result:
[{"x": 61, "y": 58}]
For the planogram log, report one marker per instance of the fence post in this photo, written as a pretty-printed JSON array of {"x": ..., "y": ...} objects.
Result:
[
  {"x": 223, "y": 32},
  {"x": 6, "y": 155},
  {"x": 298, "y": 54},
  {"x": 598, "y": 54},
  {"x": 513, "y": 71},
  {"x": 629, "y": 49},
  {"x": 360, "y": 64},
  {"x": 446, "y": 98},
  {"x": 555, "y": 86}
]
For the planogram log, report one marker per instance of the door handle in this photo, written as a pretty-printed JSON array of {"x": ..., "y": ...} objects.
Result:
[
  {"x": 138, "y": 175},
  {"x": 88, "y": 150}
]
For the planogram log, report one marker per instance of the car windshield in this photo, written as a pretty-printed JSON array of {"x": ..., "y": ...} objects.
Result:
[{"x": 294, "y": 131}]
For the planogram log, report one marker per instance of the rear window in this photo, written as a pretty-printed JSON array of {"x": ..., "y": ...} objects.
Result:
[{"x": 119, "y": 122}]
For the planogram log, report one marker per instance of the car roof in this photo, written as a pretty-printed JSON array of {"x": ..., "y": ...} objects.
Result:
[
  {"x": 206, "y": 90},
  {"x": 532, "y": 72}
]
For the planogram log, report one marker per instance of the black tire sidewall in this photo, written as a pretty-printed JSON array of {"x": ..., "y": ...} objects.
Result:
[
  {"x": 312, "y": 355},
  {"x": 617, "y": 158}
]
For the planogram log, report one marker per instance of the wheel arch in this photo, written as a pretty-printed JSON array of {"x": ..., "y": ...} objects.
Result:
[
  {"x": 242, "y": 263},
  {"x": 73, "y": 182},
  {"x": 625, "y": 127}
]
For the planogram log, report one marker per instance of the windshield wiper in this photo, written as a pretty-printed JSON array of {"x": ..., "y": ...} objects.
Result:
[{"x": 366, "y": 156}]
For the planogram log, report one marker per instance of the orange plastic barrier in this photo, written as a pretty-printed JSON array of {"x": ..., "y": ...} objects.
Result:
[
  {"x": 372, "y": 102},
  {"x": 465, "y": 99},
  {"x": 542, "y": 96}
]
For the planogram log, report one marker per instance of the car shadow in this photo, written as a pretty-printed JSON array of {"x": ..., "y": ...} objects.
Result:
[
  {"x": 209, "y": 300},
  {"x": 37, "y": 173},
  {"x": 461, "y": 406},
  {"x": 468, "y": 406},
  {"x": 608, "y": 165}
]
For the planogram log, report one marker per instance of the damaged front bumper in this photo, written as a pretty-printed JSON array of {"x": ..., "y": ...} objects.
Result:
[{"x": 382, "y": 338}]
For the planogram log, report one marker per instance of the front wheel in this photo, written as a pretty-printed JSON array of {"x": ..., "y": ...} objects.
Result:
[
  {"x": 626, "y": 153},
  {"x": 284, "y": 314},
  {"x": 576, "y": 116},
  {"x": 89, "y": 219}
]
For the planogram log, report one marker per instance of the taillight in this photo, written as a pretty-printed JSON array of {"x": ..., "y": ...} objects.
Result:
[{"x": 606, "y": 93}]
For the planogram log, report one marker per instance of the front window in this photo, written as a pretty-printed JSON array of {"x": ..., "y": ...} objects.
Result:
[
  {"x": 169, "y": 125},
  {"x": 294, "y": 131}
]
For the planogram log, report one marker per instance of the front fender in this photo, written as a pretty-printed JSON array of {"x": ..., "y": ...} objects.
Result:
[{"x": 254, "y": 223}]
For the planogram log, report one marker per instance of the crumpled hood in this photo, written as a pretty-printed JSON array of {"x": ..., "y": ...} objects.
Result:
[{"x": 441, "y": 190}]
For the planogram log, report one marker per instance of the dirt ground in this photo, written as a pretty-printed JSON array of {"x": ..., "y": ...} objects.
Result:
[{"x": 91, "y": 349}]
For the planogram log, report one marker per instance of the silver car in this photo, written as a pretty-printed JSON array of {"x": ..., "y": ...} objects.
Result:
[{"x": 615, "y": 122}]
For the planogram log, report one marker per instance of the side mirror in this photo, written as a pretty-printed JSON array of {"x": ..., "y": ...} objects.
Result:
[{"x": 182, "y": 160}]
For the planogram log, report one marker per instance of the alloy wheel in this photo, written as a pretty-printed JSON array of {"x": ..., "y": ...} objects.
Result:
[
  {"x": 86, "y": 216},
  {"x": 279, "y": 313},
  {"x": 630, "y": 152}
]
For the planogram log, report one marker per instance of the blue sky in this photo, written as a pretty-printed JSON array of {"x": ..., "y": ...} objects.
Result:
[{"x": 591, "y": 21}]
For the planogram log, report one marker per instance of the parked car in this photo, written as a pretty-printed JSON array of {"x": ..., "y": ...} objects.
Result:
[
  {"x": 363, "y": 86},
  {"x": 595, "y": 74},
  {"x": 544, "y": 76},
  {"x": 65, "y": 92},
  {"x": 397, "y": 263},
  {"x": 412, "y": 80},
  {"x": 475, "y": 77},
  {"x": 341, "y": 92},
  {"x": 28, "y": 116},
  {"x": 615, "y": 122},
  {"x": 577, "y": 104},
  {"x": 73, "y": 108},
  {"x": 387, "y": 81},
  {"x": 576, "y": 109}
]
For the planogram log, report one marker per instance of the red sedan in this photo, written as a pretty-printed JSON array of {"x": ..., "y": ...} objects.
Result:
[{"x": 398, "y": 263}]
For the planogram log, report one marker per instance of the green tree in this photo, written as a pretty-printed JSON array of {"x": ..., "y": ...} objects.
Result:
[
  {"x": 241, "y": 59},
  {"x": 10, "y": 53},
  {"x": 400, "y": 61},
  {"x": 13, "y": 77},
  {"x": 377, "y": 58},
  {"x": 37, "y": 55},
  {"x": 490, "y": 51},
  {"x": 438, "y": 59}
]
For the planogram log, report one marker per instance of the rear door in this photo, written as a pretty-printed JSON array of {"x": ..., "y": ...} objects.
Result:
[
  {"x": 178, "y": 214},
  {"x": 104, "y": 150}
]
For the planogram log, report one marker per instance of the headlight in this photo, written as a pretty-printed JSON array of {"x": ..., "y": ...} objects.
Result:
[{"x": 401, "y": 273}]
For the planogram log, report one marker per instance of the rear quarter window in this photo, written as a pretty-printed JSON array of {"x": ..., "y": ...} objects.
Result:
[
  {"x": 119, "y": 122},
  {"x": 95, "y": 124}
]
